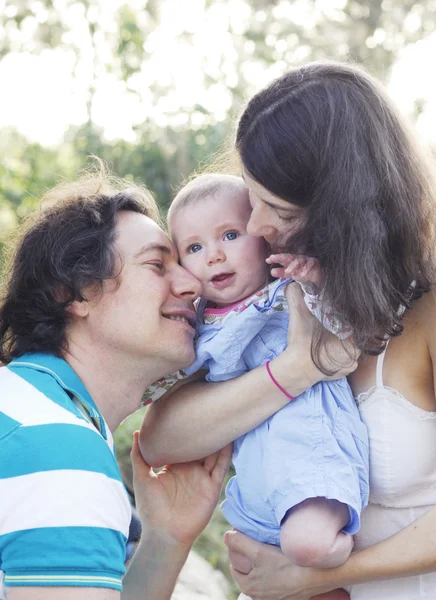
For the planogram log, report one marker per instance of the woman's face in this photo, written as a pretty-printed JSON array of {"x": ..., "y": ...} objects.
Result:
[{"x": 272, "y": 218}]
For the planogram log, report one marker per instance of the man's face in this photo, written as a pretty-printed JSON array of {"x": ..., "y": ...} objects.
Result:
[{"x": 147, "y": 313}]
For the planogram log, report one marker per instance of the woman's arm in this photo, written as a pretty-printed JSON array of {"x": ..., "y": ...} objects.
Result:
[
  {"x": 411, "y": 551},
  {"x": 197, "y": 418},
  {"x": 263, "y": 572}
]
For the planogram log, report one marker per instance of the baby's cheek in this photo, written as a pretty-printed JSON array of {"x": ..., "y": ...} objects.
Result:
[
  {"x": 257, "y": 250},
  {"x": 192, "y": 265}
]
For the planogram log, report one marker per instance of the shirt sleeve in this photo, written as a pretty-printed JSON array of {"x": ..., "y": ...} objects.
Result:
[
  {"x": 160, "y": 387},
  {"x": 323, "y": 312},
  {"x": 64, "y": 512}
]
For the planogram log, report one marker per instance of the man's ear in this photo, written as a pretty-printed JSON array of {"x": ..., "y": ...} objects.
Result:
[{"x": 78, "y": 308}]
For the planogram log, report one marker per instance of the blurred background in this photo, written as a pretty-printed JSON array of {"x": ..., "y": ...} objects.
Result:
[{"x": 154, "y": 88}]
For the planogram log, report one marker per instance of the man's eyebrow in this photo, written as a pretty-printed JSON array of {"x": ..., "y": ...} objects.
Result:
[{"x": 151, "y": 248}]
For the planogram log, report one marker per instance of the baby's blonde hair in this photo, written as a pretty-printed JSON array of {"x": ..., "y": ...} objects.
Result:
[{"x": 203, "y": 186}]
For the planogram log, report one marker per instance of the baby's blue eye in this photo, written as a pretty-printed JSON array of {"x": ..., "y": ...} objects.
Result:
[
  {"x": 194, "y": 248},
  {"x": 231, "y": 235}
]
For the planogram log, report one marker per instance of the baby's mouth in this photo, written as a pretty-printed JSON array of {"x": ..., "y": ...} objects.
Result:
[
  {"x": 221, "y": 279},
  {"x": 221, "y": 276}
]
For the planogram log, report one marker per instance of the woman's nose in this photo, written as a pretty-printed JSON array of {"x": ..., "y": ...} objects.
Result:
[{"x": 257, "y": 226}]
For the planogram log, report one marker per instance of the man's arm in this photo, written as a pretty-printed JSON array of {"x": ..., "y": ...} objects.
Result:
[
  {"x": 174, "y": 505},
  {"x": 152, "y": 575}
]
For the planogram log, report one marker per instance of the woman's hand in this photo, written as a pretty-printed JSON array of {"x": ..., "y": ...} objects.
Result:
[
  {"x": 178, "y": 501},
  {"x": 337, "y": 356},
  {"x": 263, "y": 573}
]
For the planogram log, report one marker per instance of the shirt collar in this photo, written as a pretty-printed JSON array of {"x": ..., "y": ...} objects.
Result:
[{"x": 67, "y": 378}]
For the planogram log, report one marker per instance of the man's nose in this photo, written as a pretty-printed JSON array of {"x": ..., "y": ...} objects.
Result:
[{"x": 185, "y": 284}]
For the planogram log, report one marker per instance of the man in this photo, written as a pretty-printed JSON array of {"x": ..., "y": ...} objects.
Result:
[{"x": 95, "y": 309}]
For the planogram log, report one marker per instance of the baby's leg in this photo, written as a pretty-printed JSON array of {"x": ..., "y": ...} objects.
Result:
[{"x": 310, "y": 535}]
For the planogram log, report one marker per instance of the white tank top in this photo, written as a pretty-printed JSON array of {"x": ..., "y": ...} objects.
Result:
[{"x": 402, "y": 440}]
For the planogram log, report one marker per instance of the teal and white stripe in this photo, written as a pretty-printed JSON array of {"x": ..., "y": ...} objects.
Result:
[
  {"x": 63, "y": 580},
  {"x": 64, "y": 511}
]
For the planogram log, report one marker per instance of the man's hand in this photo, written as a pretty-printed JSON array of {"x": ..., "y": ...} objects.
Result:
[{"x": 178, "y": 501}]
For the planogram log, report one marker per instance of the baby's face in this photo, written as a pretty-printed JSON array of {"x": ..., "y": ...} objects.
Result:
[{"x": 213, "y": 244}]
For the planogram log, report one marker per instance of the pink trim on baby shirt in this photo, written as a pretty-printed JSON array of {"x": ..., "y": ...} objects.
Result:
[{"x": 222, "y": 311}]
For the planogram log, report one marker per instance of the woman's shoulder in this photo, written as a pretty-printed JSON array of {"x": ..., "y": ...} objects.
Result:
[
  {"x": 408, "y": 364},
  {"x": 419, "y": 324},
  {"x": 422, "y": 316},
  {"x": 422, "y": 321}
]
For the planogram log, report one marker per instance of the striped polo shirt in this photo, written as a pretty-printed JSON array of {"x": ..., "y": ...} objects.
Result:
[{"x": 64, "y": 511}]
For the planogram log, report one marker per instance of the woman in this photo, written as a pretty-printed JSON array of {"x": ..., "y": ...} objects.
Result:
[{"x": 335, "y": 174}]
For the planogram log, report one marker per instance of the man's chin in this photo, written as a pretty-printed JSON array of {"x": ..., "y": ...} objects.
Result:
[
  {"x": 189, "y": 361},
  {"x": 180, "y": 359}
]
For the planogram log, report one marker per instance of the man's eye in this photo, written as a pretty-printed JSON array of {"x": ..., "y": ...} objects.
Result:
[
  {"x": 231, "y": 235},
  {"x": 159, "y": 265},
  {"x": 194, "y": 248}
]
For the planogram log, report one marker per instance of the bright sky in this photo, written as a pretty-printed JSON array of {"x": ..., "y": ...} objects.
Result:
[{"x": 43, "y": 93}]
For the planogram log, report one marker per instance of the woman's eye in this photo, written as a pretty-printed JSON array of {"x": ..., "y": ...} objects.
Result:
[
  {"x": 286, "y": 216},
  {"x": 158, "y": 265},
  {"x": 230, "y": 235},
  {"x": 194, "y": 248}
]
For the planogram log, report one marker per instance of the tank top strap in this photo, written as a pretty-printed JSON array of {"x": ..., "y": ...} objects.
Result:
[
  {"x": 379, "y": 371},
  {"x": 381, "y": 357}
]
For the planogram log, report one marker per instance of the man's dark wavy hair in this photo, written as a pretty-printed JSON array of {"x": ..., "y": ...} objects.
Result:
[
  {"x": 326, "y": 137},
  {"x": 64, "y": 252}
]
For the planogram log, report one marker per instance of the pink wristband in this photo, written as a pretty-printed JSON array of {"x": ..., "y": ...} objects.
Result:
[{"x": 276, "y": 383}]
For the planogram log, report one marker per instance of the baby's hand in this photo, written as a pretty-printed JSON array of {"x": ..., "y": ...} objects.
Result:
[{"x": 304, "y": 269}]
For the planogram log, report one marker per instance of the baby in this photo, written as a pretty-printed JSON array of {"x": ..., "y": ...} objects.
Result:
[{"x": 301, "y": 476}]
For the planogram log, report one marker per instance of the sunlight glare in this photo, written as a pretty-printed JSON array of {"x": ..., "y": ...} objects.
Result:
[
  {"x": 195, "y": 56},
  {"x": 410, "y": 82},
  {"x": 42, "y": 99}
]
